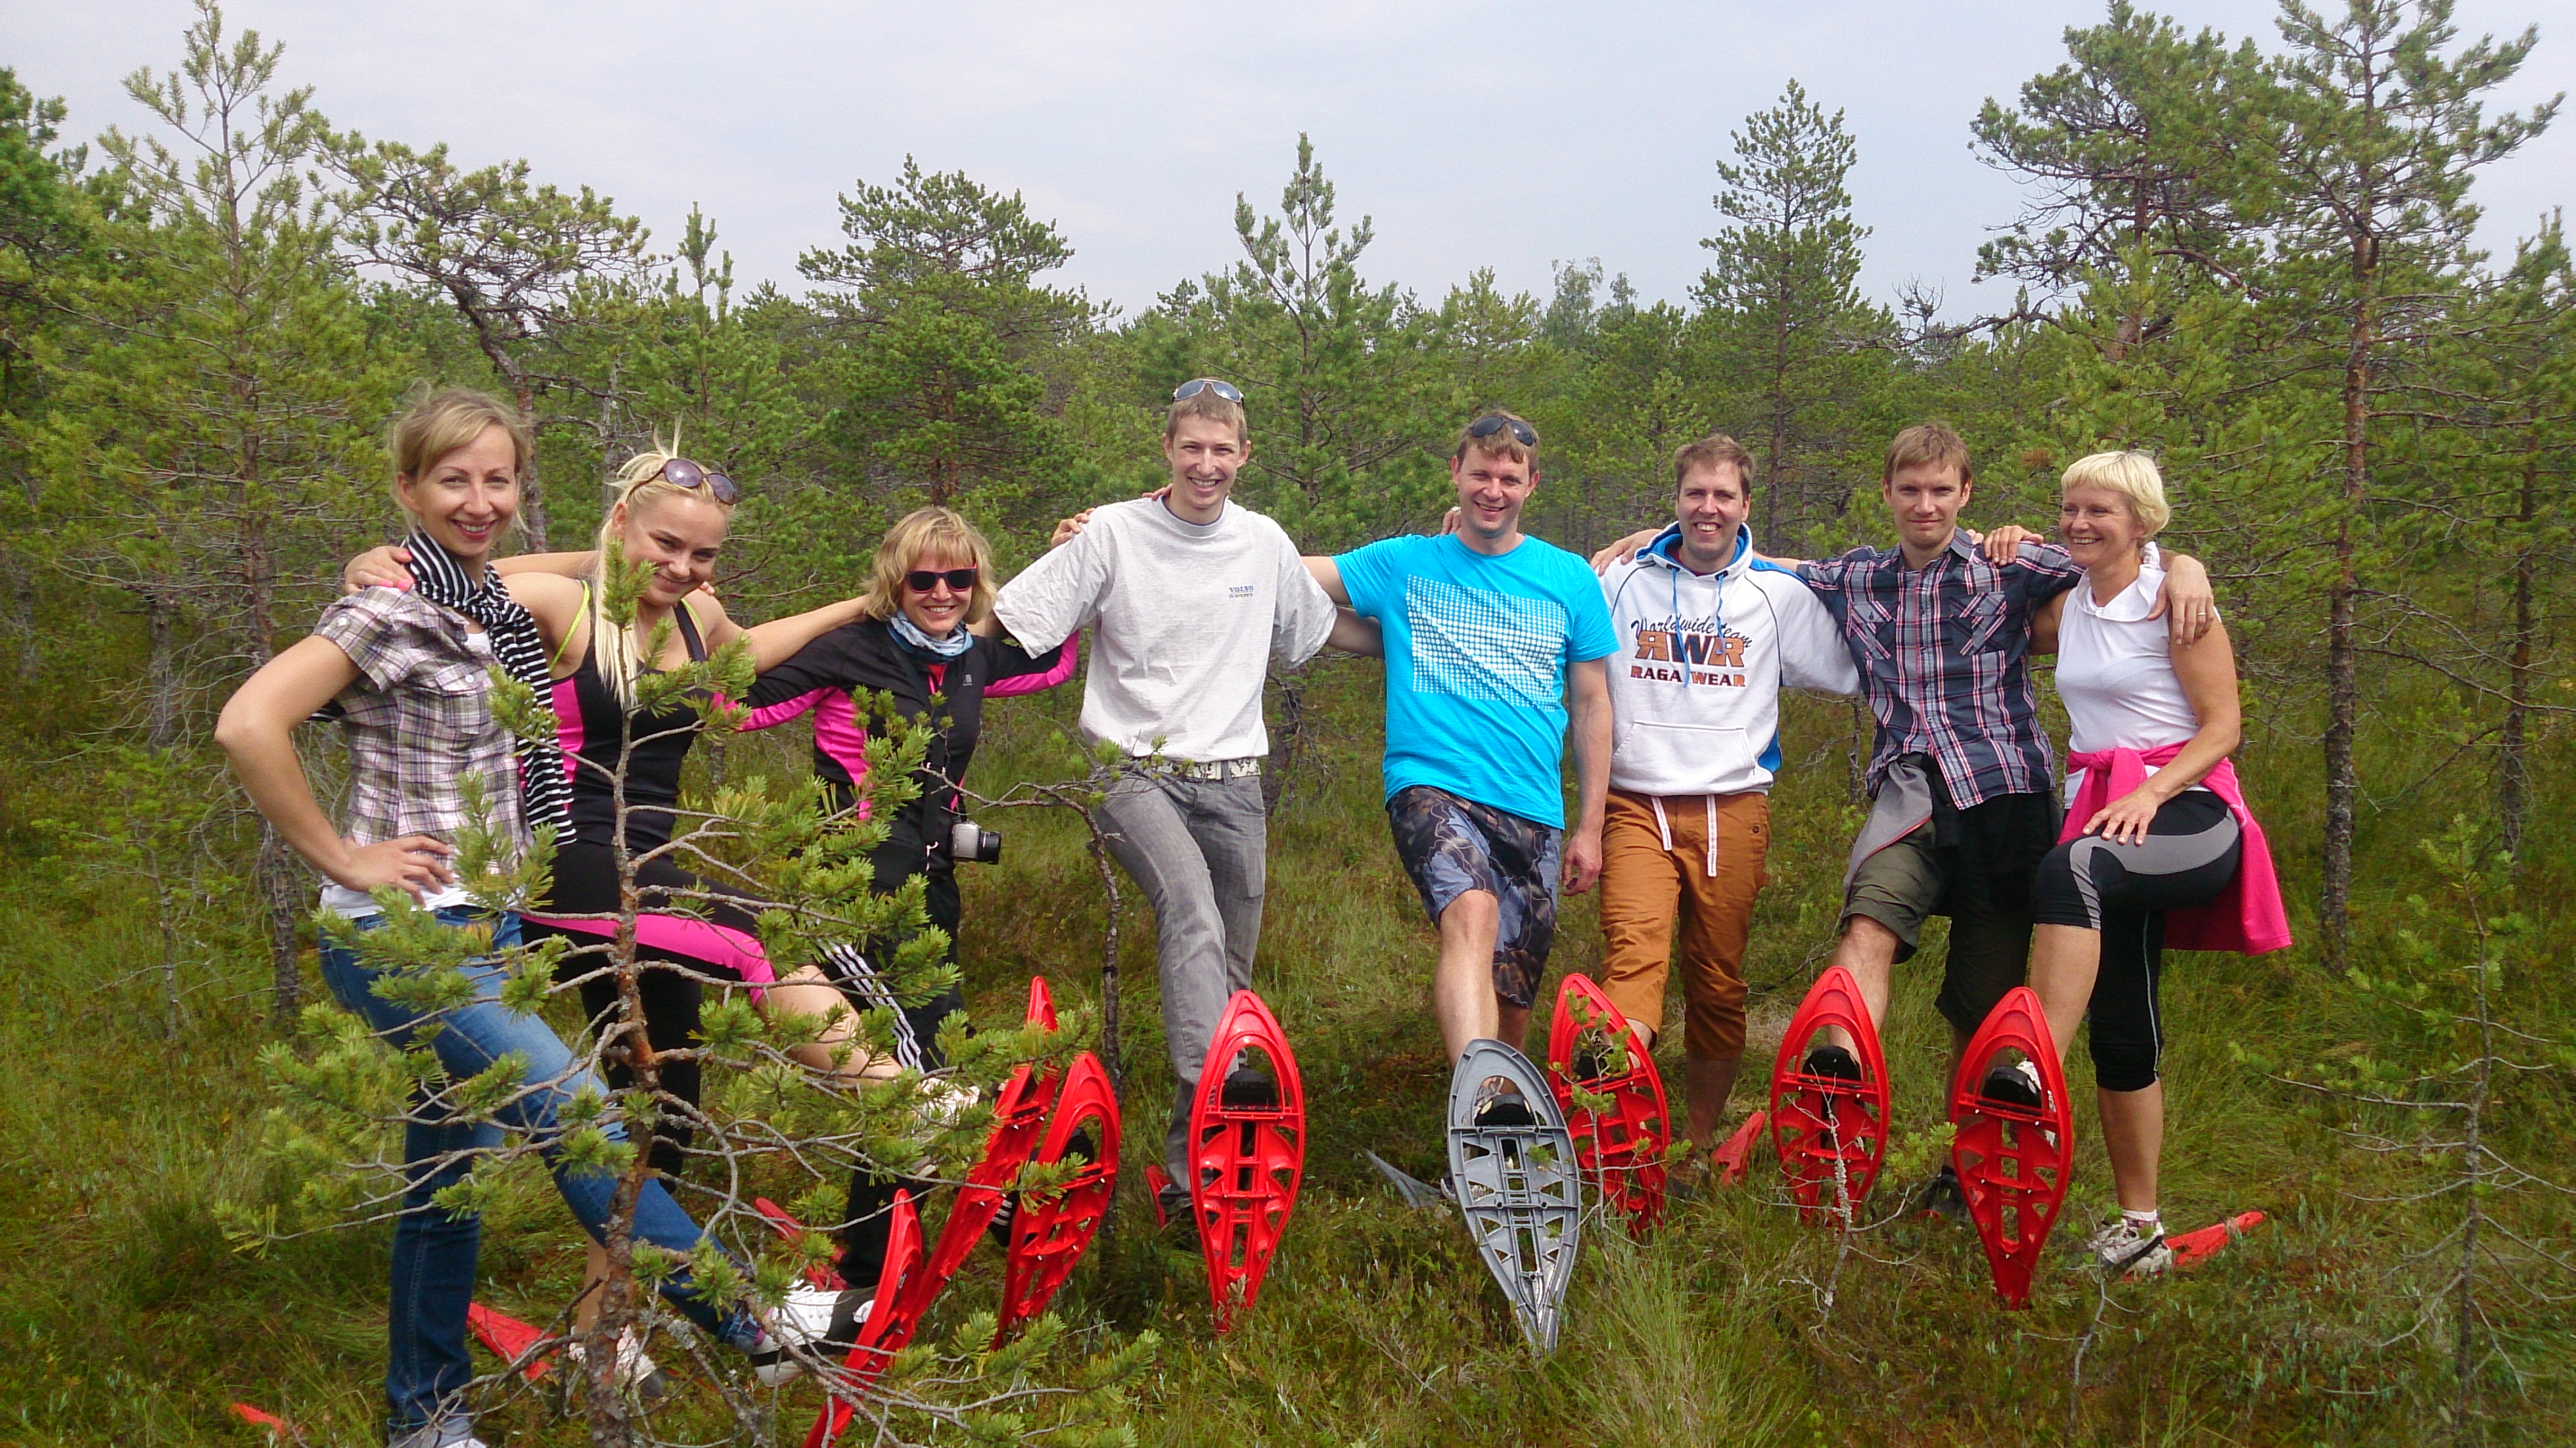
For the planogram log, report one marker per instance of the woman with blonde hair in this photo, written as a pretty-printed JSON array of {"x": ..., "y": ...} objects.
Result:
[
  {"x": 925, "y": 649},
  {"x": 410, "y": 674},
  {"x": 2158, "y": 846}
]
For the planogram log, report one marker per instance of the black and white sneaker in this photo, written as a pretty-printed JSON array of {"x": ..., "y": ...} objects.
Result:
[
  {"x": 1248, "y": 1090},
  {"x": 1506, "y": 1107},
  {"x": 2120, "y": 1249},
  {"x": 1941, "y": 1197},
  {"x": 1835, "y": 1061},
  {"x": 2014, "y": 1085}
]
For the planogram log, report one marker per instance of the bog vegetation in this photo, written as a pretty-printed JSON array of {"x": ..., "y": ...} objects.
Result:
[{"x": 2251, "y": 256}]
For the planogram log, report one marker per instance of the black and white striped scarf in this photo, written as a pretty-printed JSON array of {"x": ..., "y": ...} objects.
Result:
[{"x": 545, "y": 798}]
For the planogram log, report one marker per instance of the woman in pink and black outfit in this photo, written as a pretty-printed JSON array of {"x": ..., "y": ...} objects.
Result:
[{"x": 2158, "y": 847}]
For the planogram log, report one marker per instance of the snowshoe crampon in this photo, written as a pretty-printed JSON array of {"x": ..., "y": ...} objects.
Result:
[
  {"x": 2193, "y": 1248},
  {"x": 1517, "y": 1185},
  {"x": 278, "y": 1429},
  {"x": 885, "y": 1332},
  {"x": 1830, "y": 1130},
  {"x": 2011, "y": 1158},
  {"x": 1048, "y": 1237},
  {"x": 1622, "y": 1149},
  {"x": 1247, "y": 1152},
  {"x": 512, "y": 1341},
  {"x": 785, "y": 1225},
  {"x": 1734, "y": 1156}
]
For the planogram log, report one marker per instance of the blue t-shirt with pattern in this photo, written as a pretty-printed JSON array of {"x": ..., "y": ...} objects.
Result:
[{"x": 1476, "y": 653}]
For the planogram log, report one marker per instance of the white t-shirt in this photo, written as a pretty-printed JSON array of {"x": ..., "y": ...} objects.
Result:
[
  {"x": 1185, "y": 617},
  {"x": 2115, "y": 672}
]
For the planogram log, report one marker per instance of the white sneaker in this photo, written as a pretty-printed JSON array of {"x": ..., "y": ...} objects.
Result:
[
  {"x": 438, "y": 1435},
  {"x": 806, "y": 1316},
  {"x": 637, "y": 1373},
  {"x": 2121, "y": 1250}
]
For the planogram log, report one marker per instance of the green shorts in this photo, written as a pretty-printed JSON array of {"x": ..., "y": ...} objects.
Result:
[{"x": 1914, "y": 879}]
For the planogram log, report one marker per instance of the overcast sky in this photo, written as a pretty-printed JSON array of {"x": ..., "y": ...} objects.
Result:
[{"x": 1501, "y": 135}]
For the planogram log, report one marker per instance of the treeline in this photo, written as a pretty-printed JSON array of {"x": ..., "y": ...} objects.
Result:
[{"x": 2254, "y": 260}]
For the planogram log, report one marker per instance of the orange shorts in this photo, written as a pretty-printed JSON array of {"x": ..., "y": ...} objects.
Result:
[{"x": 1658, "y": 868}]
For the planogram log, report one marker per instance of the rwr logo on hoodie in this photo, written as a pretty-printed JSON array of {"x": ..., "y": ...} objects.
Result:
[{"x": 1667, "y": 649}]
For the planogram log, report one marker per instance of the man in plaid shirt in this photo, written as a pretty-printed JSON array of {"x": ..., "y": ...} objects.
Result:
[{"x": 1962, "y": 779}]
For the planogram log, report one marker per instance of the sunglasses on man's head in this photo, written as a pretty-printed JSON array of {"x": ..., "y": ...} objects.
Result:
[
  {"x": 922, "y": 580},
  {"x": 1488, "y": 426},
  {"x": 682, "y": 473},
  {"x": 1197, "y": 385}
]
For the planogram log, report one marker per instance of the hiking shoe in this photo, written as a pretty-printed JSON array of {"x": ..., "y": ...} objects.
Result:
[
  {"x": 1506, "y": 1107},
  {"x": 2119, "y": 1249},
  {"x": 850, "y": 1309},
  {"x": 806, "y": 1315},
  {"x": 1835, "y": 1061},
  {"x": 773, "y": 1359},
  {"x": 1247, "y": 1089},
  {"x": 1941, "y": 1197},
  {"x": 2014, "y": 1085},
  {"x": 637, "y": 1373}
]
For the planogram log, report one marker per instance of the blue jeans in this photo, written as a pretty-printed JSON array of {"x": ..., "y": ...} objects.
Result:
[{"x": 426, "y": 1366}]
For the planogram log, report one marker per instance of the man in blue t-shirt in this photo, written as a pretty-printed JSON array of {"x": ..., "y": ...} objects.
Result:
[{"x": 1493, "y": 640}]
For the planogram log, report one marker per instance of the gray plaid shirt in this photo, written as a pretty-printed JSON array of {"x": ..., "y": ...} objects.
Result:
[{"x": 418, "y": 719}]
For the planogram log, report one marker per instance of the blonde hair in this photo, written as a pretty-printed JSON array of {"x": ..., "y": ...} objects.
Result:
[
  {"x": 919, "y": 532},
  {"x": 2133, "y": 476},
  {"x": 441, "y": 421},
  {"x": 612, "y": 649},
  {"x": 1208, "y": 403}
]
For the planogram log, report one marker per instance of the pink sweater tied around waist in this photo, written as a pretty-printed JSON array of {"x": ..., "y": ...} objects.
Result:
[{"x": 2248, "y": 916}]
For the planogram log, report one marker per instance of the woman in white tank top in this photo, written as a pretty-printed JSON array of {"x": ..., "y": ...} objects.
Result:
[{"x": 2155, "y": 824}]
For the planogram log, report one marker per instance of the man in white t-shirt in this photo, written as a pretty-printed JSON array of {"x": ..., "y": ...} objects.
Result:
[
  {"x": 1189, "y": 597},
  {"x": 1709, "y": 633}
]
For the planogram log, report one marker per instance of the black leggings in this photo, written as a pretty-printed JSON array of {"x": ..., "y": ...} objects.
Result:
[
  {"x": 871, "y": 1209},
  {"x": 585, "y": 883},
  {"x": 2191, "y": 852}
]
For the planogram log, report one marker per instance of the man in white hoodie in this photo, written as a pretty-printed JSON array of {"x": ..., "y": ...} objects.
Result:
[{"x": 1708, "y": 633}]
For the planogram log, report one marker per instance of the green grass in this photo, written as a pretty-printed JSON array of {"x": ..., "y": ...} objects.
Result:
[{"x": 126, "y": 1319}]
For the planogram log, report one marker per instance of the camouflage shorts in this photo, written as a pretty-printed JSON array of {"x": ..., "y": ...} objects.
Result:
[{"x": 1451, "y": 846}]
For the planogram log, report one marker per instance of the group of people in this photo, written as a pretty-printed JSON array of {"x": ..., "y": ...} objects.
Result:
[{"x": 1664, "y": 673}]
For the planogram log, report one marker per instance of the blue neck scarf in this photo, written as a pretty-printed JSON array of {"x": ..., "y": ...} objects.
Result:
[{"x": 959, "y": 639}]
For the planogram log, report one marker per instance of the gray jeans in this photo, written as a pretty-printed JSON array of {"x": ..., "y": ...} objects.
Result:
[{"x": 1197, "y": 849}]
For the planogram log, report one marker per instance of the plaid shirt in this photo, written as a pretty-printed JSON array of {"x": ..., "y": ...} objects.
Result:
[
  {"x": 1943, "y": 653},
  {"x": 418, "y": 719}
]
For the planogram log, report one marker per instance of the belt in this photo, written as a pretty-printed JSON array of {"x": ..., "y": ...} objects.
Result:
[{"x": 1247, "y": 768}]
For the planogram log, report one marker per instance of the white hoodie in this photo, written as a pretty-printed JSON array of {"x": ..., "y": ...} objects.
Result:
[{"x": 1695, "y": 685}]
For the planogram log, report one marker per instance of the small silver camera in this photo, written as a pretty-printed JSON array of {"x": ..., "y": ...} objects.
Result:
[{"x": 969, "y": 841}]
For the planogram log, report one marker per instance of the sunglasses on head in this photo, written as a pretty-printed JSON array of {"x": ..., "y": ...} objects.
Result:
[
  {"x": 1488, "y": 426},
  {"x": 1197, "y": 385},
  {"x": 922, "y": 580},
  {"x": 682, "y": 473}
]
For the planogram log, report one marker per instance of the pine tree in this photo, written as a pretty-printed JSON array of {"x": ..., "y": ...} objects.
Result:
[
  {"x": 212, "y": 438},
  {"x": 2379, "y": 125},
  {"x": 1800, "y": 351},
  {"x": 942, "y": 389},
  {"x": 515, "y": 260}
]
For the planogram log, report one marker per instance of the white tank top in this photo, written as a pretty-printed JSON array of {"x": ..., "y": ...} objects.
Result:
[{"x": 2115, "y": 672}]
